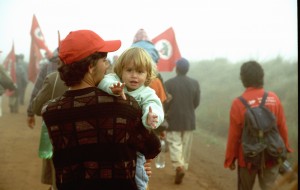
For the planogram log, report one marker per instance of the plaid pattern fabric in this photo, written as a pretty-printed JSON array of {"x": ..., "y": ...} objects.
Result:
[{"x": 95, "y": 139}]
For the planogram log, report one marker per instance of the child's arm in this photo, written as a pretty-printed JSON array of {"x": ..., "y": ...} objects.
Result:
[
  {"x": 153, "y": 113},
  {"x": 112, "y": 85}
]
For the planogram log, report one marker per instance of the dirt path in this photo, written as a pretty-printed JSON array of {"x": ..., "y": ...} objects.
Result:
[{"x": 21, "y": 168}]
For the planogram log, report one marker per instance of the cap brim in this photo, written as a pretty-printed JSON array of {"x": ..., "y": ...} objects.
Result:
[{"x": 110, "y": 46}]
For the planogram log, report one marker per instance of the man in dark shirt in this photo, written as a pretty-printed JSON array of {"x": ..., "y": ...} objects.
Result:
[
  {"x": 180, "y": 111},
  {"x": 95, "y": 136}
]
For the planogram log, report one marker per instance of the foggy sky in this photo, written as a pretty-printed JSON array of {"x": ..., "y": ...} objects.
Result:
[{"x": 205, "y": 29}]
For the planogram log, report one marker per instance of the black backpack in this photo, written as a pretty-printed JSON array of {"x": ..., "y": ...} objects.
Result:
[{"x": 260, "y": 138}]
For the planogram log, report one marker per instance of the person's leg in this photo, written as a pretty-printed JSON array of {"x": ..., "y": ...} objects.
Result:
[
  {"x": 187, "y": 147},
  {"x": 21, "y": 96},
  {"x": 53, "y": 175},
  {"x": 46, "y": 177},
  {"x": 174, "y": 139},
  {"x": 267, "y": 177},
  {"x": 11, "y": 103},
  {"x": 141, "y": 177},
  {"x": 246, "y": 179},
  {"x": 175, "y": 147},
  {"x": 16, "y": 104}
]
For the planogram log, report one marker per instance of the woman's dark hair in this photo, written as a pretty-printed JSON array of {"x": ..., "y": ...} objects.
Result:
[
  {"x": 252, "y": 74},
  {"x": 73, "y": 73}
]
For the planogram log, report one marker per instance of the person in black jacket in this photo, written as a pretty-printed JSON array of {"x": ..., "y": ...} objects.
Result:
[{"x": 180, "y": 112}]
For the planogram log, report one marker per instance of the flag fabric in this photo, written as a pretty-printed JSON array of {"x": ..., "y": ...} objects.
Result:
[
  {"x": 9, "y": 64},
  {"x": 168, "y": 50},
  {"x": 34, "y": 60},
  {"x": 37, "y": 44}
]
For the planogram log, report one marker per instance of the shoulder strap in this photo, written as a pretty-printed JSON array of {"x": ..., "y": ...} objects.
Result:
[
  {"x": 263, "y": 101},
  {"x": 244, "y": 101},
  {"x": 54, "y": 86}
]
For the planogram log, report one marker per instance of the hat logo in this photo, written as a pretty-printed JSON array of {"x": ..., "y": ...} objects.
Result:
[
  {"x": 164, "y": 49},
  {"x": 38, "y": 34}
]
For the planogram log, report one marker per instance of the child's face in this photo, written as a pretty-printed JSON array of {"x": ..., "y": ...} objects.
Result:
[{"x": 132, "y": 77}]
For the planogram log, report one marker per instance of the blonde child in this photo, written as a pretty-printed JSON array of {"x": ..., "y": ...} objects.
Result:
[{"x": 133, "y": 72}]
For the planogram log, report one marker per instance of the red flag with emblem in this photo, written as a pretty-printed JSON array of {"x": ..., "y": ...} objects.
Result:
[
  {"x": 9, "y": 64},
  {"x": 37, "y": 43},
  {"x": 168, "y": 50}
]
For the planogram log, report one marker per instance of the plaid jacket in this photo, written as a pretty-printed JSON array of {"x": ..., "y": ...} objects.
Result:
[{"x": 95, "y": 139}]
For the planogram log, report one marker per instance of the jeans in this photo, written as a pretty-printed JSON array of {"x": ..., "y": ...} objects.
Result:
[{"x": 141, "y": 177}]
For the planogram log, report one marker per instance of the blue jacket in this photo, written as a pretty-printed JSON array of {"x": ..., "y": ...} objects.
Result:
[{"x": 149, "y": 47}]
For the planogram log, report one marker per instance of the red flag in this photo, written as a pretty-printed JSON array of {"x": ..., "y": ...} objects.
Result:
[
  {"x": 37, "y": 43},
  {"x": 168, "y": 50},
  {"x": 10, "y": 64}
]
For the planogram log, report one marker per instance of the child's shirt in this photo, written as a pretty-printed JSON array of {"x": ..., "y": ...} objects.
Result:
[{"x": 145, "y": 96}]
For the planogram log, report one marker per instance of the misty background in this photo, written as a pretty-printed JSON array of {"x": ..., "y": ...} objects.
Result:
[
  {"x": 205, "y": 29},
  {"x": 220, "y": 85}
]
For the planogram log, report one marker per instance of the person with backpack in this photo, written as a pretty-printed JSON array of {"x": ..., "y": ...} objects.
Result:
[{"x": 258, "y": 134}]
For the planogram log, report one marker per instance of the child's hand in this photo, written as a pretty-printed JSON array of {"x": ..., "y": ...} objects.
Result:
[
  {"x": 147, "y": 167},
  {"x": 118, "y": 89},
  {"x": 152, "y": 119}
]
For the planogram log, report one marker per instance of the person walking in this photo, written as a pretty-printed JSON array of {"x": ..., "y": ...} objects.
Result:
[
  {"x": 180, "y": 114},
  {"x": 95, "y": 136},
  {"x": 5, "y": 84},
  {"x": 47, "y": 65},
  {"x": 52, "y": 87},
  {"x": 22, "y": 78},
  {"x": 252, "y": 77}
]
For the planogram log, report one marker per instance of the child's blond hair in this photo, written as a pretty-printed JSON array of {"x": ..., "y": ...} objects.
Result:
[{"x": 140, "y": 59}]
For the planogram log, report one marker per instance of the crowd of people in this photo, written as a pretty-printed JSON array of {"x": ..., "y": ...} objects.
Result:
[{"x": 105, "y": 118}]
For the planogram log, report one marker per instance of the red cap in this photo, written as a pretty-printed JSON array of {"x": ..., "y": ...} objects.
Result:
[{"x": 82, "y": 43}]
